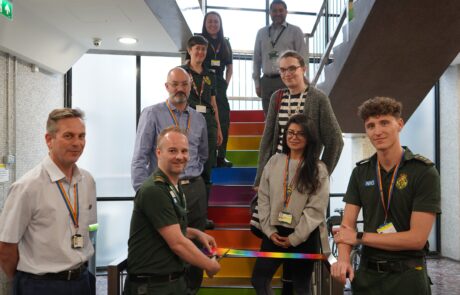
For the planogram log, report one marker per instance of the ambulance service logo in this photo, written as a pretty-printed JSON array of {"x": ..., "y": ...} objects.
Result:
[{"x": 402, "y": 181}]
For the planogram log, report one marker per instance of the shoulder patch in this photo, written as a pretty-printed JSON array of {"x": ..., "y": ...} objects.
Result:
[
  {"x": 159, "y": 178},
  {"x": 422, "y": 159},
  {"x": 363, "y": 162}
]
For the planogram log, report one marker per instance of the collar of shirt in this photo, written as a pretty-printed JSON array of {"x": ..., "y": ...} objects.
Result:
[
  {"x": 408, "y": 155},
  {"x": 173, "y": 107},
  {"x": 285, "y": 24},
  {"x": 56, "y": 174}
]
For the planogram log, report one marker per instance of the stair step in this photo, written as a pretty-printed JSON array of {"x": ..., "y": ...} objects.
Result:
[
  {"x": 235, "y": 239},
  {"x": 229, "y": 216},
  {"x": 245, "y": 158},
  {"x": 233, "y": 176},
  {"x": 244, "y": 128},
  {"x": 247, "y": 116},
  {"x": 239, "y": 143},
  {"x": 231, "y": 195}
]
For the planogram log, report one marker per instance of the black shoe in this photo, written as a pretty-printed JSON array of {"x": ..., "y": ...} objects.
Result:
[
  {"x": 209, "y": 224},
  {"x": 224, "y": 163}
]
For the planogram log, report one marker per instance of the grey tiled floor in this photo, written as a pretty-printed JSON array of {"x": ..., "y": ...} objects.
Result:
[{"x": 445, "y": 274}]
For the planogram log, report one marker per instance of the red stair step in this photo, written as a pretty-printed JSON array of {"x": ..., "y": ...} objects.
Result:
[
  {"x": 229, "y": 216},
  {"x": 247, "y": 116}
]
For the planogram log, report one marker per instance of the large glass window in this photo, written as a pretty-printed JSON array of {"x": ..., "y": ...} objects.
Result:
[
  {"x": 154, "y": 71},
  {"x": 254, "y": 4},
  {"x": 104, "y": 86}
]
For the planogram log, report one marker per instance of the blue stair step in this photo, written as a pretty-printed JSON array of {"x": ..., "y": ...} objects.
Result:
[{"x": 233, "y": 176}]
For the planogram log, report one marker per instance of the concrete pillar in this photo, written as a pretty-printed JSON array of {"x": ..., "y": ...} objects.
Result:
[{"x": 450, "y": 162}]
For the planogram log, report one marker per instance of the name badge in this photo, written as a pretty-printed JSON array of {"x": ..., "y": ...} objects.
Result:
[
  {"x": 273, "y": 54},
  {"x": 387, "y": 228},
  {"x": 285, "y": 217},
  {"x": 77, "y": 241},
  {"x": 200, "y": 108},
  {"x": 215, "y": 63}
]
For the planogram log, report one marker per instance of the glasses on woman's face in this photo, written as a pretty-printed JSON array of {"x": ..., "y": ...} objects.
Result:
[
  {"x": 289, "y": 70},
  {"x": 298, "y": 134}
]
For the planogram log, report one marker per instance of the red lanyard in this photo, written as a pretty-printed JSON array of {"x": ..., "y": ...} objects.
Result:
[
  {"x": 176, "y": 122},
  {"x": 195, "y": 87},
  {"x": 73, "y": 210},
  {"x": 287, "y": 189},
  {"x": 386, "y": 208}
]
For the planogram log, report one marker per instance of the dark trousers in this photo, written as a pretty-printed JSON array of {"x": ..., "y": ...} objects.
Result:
[
  {"x": 195, "y": 193},
  {"x": 224, "y": 114},
  {"x": 267, "y": 87},
  {"x": 211, "y": 124},
  {"x": 301, "y": 269},
  {"x": 176, "y": 287},
  {"x": 409, "y": 282},
  {"x": 26, "y": 284}
]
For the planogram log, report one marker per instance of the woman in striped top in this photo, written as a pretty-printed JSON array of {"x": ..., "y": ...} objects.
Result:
[{"x": 299, "y": 97}]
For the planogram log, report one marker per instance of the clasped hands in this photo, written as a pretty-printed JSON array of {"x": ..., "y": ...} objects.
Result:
[{"x": 280, "y": 241}]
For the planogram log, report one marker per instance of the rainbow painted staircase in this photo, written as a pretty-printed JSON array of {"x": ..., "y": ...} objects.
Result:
[{"x": 229, "y": 205}]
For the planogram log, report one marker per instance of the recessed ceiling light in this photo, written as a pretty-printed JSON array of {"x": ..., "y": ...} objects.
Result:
[{"x": 127, "y": 40}]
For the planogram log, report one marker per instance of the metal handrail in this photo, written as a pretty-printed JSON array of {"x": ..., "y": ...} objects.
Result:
[
  {"x": 323, "y": 39},
  {"x": 330, "y": 45}
]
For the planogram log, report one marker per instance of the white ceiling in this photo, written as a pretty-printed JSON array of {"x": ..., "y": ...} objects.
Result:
[
  {"x": 108, "y": 20},
  {"x": 54, "y": 34}
]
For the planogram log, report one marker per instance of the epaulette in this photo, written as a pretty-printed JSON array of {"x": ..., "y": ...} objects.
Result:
[
  {"x": 364, "y": 161},
  {"x": 159, "y": 178},
  {"x": 422, "y": 159}
]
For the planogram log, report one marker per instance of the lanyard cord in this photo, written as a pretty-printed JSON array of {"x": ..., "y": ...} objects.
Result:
[
  {"x": 176, "y": 122},
  {"x": 216, "y": 50},
  {"x": 73, "y": 210},
  {"x": 287, "y": 189},
  {"x": 176, "y": 193},
  {"x": 195, "y": 87},
  {"x": 386, "y": 208},
  {"x": 277, "y": 38},
  {"x": 298, "y": 104}
]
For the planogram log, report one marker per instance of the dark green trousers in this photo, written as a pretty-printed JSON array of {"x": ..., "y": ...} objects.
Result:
[
  {"x": 224, "y": 114},
  {"x": 212, "y": 151},
  {"x": 410, "y": 282},
  {"x": 176, "y": 287}
]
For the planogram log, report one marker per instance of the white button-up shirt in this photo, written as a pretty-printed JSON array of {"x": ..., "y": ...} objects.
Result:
[{"x": 36, "y": 217}]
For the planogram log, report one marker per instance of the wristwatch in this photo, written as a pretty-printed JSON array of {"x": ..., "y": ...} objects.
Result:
[{"x": 359, "y": 236}]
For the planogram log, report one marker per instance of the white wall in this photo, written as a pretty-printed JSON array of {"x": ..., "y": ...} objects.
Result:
[
  {"x": 450, "y": 169},
  {"x": 26, "y": 98}
]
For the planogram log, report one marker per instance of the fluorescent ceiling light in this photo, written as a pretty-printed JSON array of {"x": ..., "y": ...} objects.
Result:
[{"x": 127, "y": 40}]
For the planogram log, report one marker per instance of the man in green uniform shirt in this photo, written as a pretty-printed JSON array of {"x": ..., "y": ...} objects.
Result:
[
  {"x": 399, "y": 193},
  {"x": 159, "y": 242}
]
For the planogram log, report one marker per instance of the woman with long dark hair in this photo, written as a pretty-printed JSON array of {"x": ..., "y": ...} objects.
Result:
[
  {"x": 219, "y": 60},
  {"x": 293, "y": 198}
]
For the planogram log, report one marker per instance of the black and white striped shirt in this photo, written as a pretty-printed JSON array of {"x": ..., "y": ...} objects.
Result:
[{"x": 290, "y": 105}]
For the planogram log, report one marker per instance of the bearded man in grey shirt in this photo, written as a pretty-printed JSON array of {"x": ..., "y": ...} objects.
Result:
[{"x": 271, "y": 41}]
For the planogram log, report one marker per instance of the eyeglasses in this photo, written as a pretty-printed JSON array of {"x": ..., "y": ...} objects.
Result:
[
  {"x": 176, "y": 84},
  {"x": 290, "y": 70},
  {"x": 298, "y": 134}
]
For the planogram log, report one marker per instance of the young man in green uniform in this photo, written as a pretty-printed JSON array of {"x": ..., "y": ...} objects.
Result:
[
  {"x": 202, "y": 98},
  {"x": 399, "y": 193},
  {"x": 159, "y": 243}
]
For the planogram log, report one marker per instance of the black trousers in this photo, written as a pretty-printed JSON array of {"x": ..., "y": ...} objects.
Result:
[
  {"x": 25, "y": 284},
  {"x": 301, "y": 269},
  {"x": 195, "y": 193}
]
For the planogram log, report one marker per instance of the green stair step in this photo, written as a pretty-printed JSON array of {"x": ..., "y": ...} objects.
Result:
[{"x": 243, "y": 158}]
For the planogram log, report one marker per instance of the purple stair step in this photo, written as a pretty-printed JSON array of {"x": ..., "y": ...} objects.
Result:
[{"x": 231, "y": 195}]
